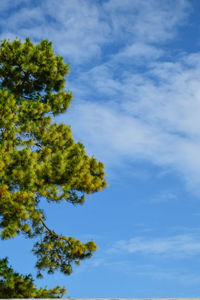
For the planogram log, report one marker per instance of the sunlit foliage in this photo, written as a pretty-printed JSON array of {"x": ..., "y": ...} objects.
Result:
[{"x": 39, "y": 158}]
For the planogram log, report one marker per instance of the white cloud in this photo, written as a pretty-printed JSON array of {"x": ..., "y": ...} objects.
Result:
[
  {"x": 152, "y": 116},
  {"x": 151, "y": 21},
  {"x": 138, "y": 51},
  {"x": 178, "y": 246},
  {"x": 178, "y": 275},
  {"x": 6, "y": 5},
  {"x": 124, "y": 113},
  {"x": 75, "y": 27},
  {"x": 80, "y": 29},
  {"x": 166, "y": 250}
]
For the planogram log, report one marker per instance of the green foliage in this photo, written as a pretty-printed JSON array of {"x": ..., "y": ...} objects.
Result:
[
  {"x": 15, "y": 285},
  {"x": 39, "y": 158}
]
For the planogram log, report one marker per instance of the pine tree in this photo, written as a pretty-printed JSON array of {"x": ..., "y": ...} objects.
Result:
[
  {"x": 39, "y": 158},
  {"x": 14, "y": 285}
]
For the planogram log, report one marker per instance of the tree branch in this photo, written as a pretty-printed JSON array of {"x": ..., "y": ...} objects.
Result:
[
  {"x": 38, "y": 145},
  {"x": 27, "y": 98},
  {"x": 54, "y": 234},
  {"x": 49, "y": 230},
  {"x": 26, "y": 77}
]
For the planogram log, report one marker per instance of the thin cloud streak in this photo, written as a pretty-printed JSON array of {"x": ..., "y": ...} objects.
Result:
[
  {"x": 150, "y": 113},
  {"x": 178, "y": 246}
]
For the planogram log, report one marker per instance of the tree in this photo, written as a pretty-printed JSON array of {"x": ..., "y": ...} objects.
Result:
[
  {"x": 39, "y": 158},
  {"x": 14, "y": 285}
]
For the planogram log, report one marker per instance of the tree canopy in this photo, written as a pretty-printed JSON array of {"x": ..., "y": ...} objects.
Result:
[
  {"x": 39, "y": 158},
  {"x": 15, "y": 285}
]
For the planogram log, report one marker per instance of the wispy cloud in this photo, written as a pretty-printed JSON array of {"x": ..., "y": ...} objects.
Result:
[
  {"x": 151, "y": 21},
  {"x": 142, "y": 270},
  {"x": 80, "y": 29},
  {"x": 131, "y": 257},
  {"x": 153, "y": 116},
  {"x": 178, "y": 246},
  {"x": 136, "y": 101},
  {"x": 158, "y": 273},
  {"x": 163, "y": 197}
]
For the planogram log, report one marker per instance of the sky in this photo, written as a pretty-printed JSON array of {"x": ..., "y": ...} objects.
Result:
[{"x": 135, "y": 74}]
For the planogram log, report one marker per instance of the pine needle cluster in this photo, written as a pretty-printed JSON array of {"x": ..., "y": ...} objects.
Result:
[{"x": 39, "y": 158}]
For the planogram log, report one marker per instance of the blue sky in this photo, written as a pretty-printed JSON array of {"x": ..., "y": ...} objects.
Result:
[{"x": 135, "y": 73}]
